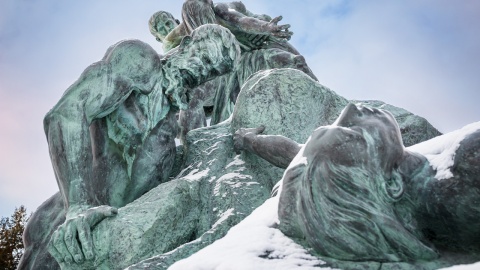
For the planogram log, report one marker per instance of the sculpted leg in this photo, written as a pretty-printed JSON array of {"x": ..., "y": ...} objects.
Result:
[{"x": 38, "y": 232}]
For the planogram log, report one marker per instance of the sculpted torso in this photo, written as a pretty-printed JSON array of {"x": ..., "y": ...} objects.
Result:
[{"x": 126, "y": 147}]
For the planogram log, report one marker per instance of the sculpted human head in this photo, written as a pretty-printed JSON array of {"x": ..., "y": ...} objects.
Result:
[
  {"x": 345, "y": 191},
  {"x": 366, "y": 138},
  {"x": 161, "y": 23},
  {"x": 377, "y": 125},
  {"x": 133, "y": 64},
  {"x": 210, "y": 51}
]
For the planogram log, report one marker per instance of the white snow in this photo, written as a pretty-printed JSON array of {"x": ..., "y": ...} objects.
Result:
[
  {"x": 229, "y": 179},
  {"x": 196, "y": 175},
  {"x": 223, "y": 217},
  {"x": 236, "y": 162},
  {"x": 252, "y": 244},
  {"x": 440, "y": 151},
  {"x": 474, "y": 266},
  {"x": 299, "y": 158}
]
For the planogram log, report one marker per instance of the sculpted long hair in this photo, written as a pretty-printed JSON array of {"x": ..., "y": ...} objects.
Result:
[{"x": 344, "y": 211}]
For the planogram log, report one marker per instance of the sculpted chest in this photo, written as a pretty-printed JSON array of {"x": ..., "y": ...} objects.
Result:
[{"x": 129, "y": 124}]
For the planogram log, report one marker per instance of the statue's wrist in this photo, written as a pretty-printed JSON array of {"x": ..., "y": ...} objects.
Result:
[
  {"x": 76, "y": 210},
  {"x": 248, "y": 141}
]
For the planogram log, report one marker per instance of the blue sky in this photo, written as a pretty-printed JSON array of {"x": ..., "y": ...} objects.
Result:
[{"x": 422, "y": 55}]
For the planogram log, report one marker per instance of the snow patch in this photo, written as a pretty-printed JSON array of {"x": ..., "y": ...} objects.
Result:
[
  {"x": 440, "y": 151},
  {"x": 253, "y": 244},
  {"x": 196, "y": 175},
  {"x": 229, "y": 179},
  {"x": 474, "y": 266},
  {"x": 236, "y": 162},
  {"x": 212, "y": 148},
  {"x": 223, "y": 217}
]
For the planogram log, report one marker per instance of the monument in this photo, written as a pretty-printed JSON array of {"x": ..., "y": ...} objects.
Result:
[{"x": 348, "y": 193}]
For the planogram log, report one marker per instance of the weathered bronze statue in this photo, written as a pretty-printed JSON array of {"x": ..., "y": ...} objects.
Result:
[
  {"x": 111, "y": 135},
  {"x": 263, "y": 42},
  {"x": 161, "y": 24},
  {"x": 354, "y": 193}
]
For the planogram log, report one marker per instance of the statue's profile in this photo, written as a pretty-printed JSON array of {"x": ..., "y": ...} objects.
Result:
[{"x": 111, "y": 135}]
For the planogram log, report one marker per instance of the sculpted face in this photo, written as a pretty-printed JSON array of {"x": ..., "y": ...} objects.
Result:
[
  {"x": 161, "y": 24},
  {"x": 359, "y": 135},
  {"x": 203, "y": 63},
  {"x": 210, "y": 51},
  {"x": 379, "y": 127},
  {"x": 342, "y": 145}
]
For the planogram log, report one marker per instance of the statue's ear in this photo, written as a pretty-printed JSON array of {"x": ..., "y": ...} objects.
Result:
[
  {"x": 185, "y": 41},
  {"x": 394, "y": 186}
]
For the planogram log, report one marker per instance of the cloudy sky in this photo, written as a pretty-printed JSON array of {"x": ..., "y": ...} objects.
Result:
[{"x": 422, "y": 55}]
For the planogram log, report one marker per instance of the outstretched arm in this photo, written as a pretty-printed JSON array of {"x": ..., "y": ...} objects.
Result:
[
  {"x": 275, "y": 149},
  {"x": 240, "y": 7},
  {"x": 239, "y": 22}
]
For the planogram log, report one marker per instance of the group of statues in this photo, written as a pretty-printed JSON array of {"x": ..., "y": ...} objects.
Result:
[
  {"x": 263, "y": 43},
  {"x": 351, "y": 192}
]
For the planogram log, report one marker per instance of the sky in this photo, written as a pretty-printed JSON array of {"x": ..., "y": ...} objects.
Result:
[{"x": 421, "y": 55}]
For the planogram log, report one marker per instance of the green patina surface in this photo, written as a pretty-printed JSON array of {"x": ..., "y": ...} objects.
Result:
[{"x": 111, "y": 139}]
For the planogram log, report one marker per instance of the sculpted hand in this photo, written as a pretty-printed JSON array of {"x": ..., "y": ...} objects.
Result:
[
  {"x": 278, "y": 31},
  {"x": 244, "y": 136},
  {"x": 72, "y": 241},
  {"x": 257, "y": 40},
  {"x": 263, "y": 17}
]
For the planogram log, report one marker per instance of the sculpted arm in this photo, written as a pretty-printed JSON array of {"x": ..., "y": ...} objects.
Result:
[
  {"x": 70, "y": 146},
  {"x": 239, "y": 22},
  {"x": 240, "y": 7},
  {"x": 277, "y": 150},
  {"x": 67, "y": 130}
]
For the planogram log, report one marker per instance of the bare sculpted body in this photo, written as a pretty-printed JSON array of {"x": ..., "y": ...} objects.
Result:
[{"x": 111, "y": 135}]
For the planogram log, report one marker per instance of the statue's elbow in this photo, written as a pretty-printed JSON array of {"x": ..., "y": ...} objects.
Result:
[{"x": 51, "y": 117}]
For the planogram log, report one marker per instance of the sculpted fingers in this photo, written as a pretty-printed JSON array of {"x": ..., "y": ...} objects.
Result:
[
  {"x": 85, "y": 238},
  {"x": 283, "y": 34},
  {"x": 97, "y": 214},
  {"x": 259, "y": 129},
  {"x": 259, "y": 39},
  {"x": 283, "y": 27},
  {"x": 54, "y": 252},
  {"x": 59, "y": 245},
  {"x": 239, "y": 137},
  {"x": 71, "y": 242},
  {"x": 276, "y": 19}
]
